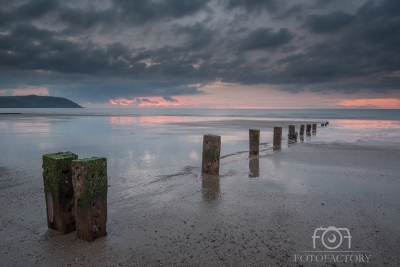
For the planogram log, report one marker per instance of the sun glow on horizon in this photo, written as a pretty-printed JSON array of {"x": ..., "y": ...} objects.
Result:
[{"x": 372, "y": 103}]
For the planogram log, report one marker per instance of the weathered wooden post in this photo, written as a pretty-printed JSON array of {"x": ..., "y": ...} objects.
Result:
[
  {"x": 210, "y": 187},
  {"x": 90, "y": 186},
  {"x": 302, "y": 130},
  {"x": 254, "y": 167},
  {"x": 254, "y": 142},
  {"x": 277, "y": 142},
  {"x": 322, "y": 124},
  {"x": 314, "y": 128},
  {"x": 211, "y": 154},
  {"x": 327, "y": 123},
  {"x": 308, "y": 130},
  {"x": 58, "y": 191},
  {"x": 291, "y": 135}
]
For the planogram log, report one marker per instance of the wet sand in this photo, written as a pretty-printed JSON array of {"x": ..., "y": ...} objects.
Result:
[{"x": 260, "y": 211}]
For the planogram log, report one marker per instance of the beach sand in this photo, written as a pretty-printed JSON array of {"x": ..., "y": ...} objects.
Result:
[{"x": 260, "y": 211}]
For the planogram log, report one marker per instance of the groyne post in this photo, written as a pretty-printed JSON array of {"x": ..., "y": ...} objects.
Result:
[
  {"x": 254, "y": 142},
  {"x": 314, "y": 128},
  {"x": 90, "y": 185},
  {"x": 211, "y": 154},
  {"x": 292, "y": 133},
  {"x": 277, "y": 141},
  {"x": 58, "y": 191},
  {"x": 308, "y": 130},
  {"x": 302, "y": 130}
]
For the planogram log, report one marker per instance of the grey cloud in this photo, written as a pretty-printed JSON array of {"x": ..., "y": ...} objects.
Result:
[
  {"x": 141, "y": 11},
  {"x": 254, "y": 5},
  {"x": 84, "y": 62},
  {"x": 322, "y": 3},
  {"x": 169, "y": 99},
  {"x": 145, "y": 100},
  {"x": 264, "y": 38},
  {"x": 329, "y": 22}
]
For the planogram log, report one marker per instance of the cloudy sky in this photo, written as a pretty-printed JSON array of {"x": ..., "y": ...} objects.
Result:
[{"x": 203, "y": 53}]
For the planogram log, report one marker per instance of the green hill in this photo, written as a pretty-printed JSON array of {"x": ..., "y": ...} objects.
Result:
[{"x": 34, "y": 101}]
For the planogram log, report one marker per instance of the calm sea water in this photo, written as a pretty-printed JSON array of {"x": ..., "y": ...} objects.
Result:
[
  {"x": 369, "y": 114},
  {"x": 163, "y": 141}
]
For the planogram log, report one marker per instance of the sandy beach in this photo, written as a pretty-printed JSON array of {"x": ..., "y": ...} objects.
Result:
[{"x": 260, "y": 211}]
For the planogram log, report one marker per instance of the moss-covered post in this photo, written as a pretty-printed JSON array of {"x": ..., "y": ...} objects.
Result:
[
  {"x": 90, "y": 185},
  {"x": 314, "y": 128},
  {"x": 58, "y": 191},
  {"x": 308, "y": 130},
  {"x": 277, "y": 142},
  {"x": 254, "y": 142},
  {"x": 211, "y": 154},
  {"x": 302, "y": 130}
]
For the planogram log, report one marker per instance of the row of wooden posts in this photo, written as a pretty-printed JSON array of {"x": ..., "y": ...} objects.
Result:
[
  {"x": 76, "y": 189},
  {"x": 212, "y": 145}
]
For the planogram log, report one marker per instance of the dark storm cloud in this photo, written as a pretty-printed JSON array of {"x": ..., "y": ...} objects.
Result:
[
  {"x": 328, "y": 23},
  {"x": 264, "y": 38},
  {"x": 100, "y": 50},
  {"x": 322, "y": 3},
  {"x": 253, "y": 5}
]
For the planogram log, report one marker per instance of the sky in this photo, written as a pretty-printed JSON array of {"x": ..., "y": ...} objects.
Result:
[{"x": 203, "y": 53}]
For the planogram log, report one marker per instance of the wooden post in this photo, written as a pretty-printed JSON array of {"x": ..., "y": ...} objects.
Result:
[
  {"x": 308, "y": 130},
  {"x": 314, "y": 128},
  {"x": 291, "y": 135},
  {"x": 58, "y": 191},
  {"x": 277, "y": 143},
  {"x": 211, "y": 154},
  {"x": 302, "y": 130},
  {"x": 254, "y": 142},
  {"x": 210, "y": 187},
  {"x": 322, "y": 124},
  {"x": 327, "y": 123},
  {"x": 254, "y": 167},
  {"x": 90, "y": 186}
]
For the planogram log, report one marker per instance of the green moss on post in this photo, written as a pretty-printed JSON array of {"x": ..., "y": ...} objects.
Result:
[
  {"x": 58, "y": 190},
  {"x": 211, "y": 154},
  {"x": 254, "y": 142},
  {"x": 90, "y": 186}
]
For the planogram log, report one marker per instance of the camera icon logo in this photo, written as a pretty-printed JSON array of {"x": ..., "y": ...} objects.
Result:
[{"x": 331, "y": 237}]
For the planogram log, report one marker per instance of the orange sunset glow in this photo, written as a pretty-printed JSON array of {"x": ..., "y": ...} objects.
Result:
[{"x": 372, "y": 103}]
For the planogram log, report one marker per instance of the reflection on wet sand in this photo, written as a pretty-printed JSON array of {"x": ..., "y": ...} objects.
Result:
[
  {"x": 254, "y": 167},
  {"x": 210, "y": 187}
]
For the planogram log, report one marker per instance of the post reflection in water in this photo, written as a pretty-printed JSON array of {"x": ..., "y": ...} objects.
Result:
[
  {"x": 254, "y": 167},
  {"x": 210, "y": 187},
  {"x": 301, "y": 138}
]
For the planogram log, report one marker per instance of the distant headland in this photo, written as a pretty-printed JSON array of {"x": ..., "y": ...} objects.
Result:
[{"x": 34, "y": 101}]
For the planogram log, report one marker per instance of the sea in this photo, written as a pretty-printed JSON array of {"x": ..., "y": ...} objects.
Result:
[{"x": 162, "y": 140}]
